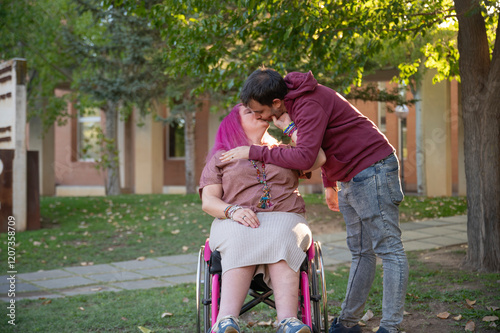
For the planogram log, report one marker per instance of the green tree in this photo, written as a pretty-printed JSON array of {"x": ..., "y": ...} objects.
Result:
[
  {"x": 32, "y": 30},
  {"x": 118, "y": 69}
]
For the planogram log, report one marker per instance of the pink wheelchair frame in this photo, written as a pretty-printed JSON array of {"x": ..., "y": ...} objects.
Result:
[{"x": 311, "y": 276}]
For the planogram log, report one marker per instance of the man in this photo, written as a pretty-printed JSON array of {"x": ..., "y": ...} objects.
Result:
[{"x": 360, "y": 160}]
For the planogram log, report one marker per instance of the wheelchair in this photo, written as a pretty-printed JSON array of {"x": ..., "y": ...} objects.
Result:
[{"x": 312, "y": 307}]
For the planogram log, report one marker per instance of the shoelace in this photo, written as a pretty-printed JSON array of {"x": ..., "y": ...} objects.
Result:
[{"x": 292, "y": 322}]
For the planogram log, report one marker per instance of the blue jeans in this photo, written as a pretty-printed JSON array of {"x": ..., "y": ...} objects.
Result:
[{"x": 369, "y": 203}]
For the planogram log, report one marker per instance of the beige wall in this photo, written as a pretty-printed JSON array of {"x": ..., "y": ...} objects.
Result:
[
  {"x": 148, "y": 152},
  {"x": 436, "y": 113}
]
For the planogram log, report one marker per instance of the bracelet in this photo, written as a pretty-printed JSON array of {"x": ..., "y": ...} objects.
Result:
[
  {"x": 229, "y": 211},
  {"x": 290, "y": 133},
  {"x": 289, "y": 128}
]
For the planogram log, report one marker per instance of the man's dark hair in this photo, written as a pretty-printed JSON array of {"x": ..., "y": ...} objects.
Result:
[{"x": 263, "y": 86}]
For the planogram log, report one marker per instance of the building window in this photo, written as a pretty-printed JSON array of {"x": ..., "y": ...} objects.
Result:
[
  {"x": 89, "y": 126},
  {"x": 382, "y": 111},
  {"x": 404, "y": 141},
  {"x": 404, "y": 137},
  {"x": 176, "y": 140}
]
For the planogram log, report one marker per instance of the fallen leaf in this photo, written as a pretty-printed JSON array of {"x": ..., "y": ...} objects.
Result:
[
  {"x": 493, "y": 325},
  {"x": 123, "y": 318},
  {"x": 362, "y": 324},
  {"x": 81, "y": 308},
  {"x": 185, "y": 299},
  {"x": 492, "y": 308},
  {"x": 166, "y": 314},
  {"x": 265, "y": 323},
  {"x": 443, "y": 315},
  {"x": 470, "y": 326},
  {"x": 457, "y": 318},
  {"x": 175, "y": 232},
  {"x": 96, "y": 289},
  {"x": 368, "y": 315},
  {"x": 469, "y": 302},
  {"x": 144, "y": 329},
  {"x": 141, "y": 258},
  {"x": 185, "y": 248},
  {"x": 375, "y": 329},
  {"x": 490, "y": 318},
  {"x": 47, "y": 302},
  {"x": 406, "y": 313}
]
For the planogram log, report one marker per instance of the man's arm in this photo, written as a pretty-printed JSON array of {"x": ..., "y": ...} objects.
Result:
[{"x": 311, "y": 120}]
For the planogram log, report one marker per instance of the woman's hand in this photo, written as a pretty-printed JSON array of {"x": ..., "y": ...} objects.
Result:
[
  {"x": 238, "y": 152},
  {"x": 283, "y": 121},
  {"x": 332, "y": 199},
  {"x": 246, "y": 217}
]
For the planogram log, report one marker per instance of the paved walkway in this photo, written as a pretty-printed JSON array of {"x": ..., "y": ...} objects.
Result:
[{"x": 171, "y": 270}]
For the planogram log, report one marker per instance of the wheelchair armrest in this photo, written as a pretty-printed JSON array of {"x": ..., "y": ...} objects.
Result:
[{"x": 215, "y": 263}]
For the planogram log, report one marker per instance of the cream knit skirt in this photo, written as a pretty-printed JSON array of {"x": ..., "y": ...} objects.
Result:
[{"x": 280, "y": 236}]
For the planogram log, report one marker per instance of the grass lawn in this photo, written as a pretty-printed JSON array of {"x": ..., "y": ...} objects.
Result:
[
  {"x": 105, "y": 229},
  {"x": 433, "y": 288},
  {"x": 98, "y": 230}
]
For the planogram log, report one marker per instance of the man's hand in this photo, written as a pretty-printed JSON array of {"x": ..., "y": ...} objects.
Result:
[
  {"x": 238, "y": 152},
  {"x": 283, "y": 121},
  {"x": 332, "y": 199}
]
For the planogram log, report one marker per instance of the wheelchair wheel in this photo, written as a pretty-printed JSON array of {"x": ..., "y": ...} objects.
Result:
[
  {"x": 318, "y": 291},
  {"x": 203, "y": 296}
]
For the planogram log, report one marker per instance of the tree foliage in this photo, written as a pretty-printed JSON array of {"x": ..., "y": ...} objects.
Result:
[
  {"x": 221, "y": 42},
  {"x": 32, "y": 30},
  {"x": 117, "y": 57}
]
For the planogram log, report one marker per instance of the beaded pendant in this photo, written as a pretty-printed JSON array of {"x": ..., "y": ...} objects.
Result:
[{"x": 265, "y": 200}]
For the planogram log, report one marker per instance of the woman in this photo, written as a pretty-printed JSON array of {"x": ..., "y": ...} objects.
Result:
[{"x": 259, "y": 224}]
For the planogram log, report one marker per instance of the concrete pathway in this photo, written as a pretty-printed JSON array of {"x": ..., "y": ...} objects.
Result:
[{"x": 171, "y": 270}]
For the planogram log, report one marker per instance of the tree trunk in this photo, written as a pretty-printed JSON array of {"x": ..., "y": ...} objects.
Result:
[
  {"x": 189, "y": 141},
  {"x": 481, "y": 117},
  {"x": 111, "y": 150}
]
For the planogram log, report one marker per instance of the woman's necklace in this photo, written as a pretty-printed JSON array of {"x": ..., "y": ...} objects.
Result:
[{"x": 265, "y": 200}]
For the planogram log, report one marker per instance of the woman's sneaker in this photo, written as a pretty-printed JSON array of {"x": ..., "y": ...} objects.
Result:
[
  {"x": 227, "y": 324},
  {"x": 292, "y": 325}
]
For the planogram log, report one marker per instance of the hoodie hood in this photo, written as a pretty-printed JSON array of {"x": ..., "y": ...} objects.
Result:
[{"x": 299, "y": 84}]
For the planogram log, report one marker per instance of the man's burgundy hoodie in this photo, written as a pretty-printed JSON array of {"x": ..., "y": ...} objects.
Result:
[{"x": 325, "y": 119}]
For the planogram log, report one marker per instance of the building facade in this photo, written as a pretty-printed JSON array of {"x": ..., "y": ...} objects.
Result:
[{"x": 429, "y": 144}]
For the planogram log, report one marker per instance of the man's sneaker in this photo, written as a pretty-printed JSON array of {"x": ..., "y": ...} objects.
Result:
[
  {"x": 337, "y": 327},
  {"x": 227, "y": 324},
  {"x": 382, "y": 330},
  {"x": 292, "y": 325}
]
